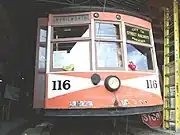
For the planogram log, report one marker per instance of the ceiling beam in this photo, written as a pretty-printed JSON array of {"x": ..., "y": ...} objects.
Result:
[
  {"x": 159, "y": 3},
  {"x": 158, "y": 41}
]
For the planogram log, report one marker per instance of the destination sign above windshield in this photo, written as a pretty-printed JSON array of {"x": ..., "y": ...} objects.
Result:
[
  {"x": 71, "y": 19},
  {"x": 137, "y": 35}
]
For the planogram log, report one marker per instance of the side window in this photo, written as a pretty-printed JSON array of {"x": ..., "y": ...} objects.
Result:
[
  {"x": 42, "y": 57},
  {"x": 42, "y": 47}
]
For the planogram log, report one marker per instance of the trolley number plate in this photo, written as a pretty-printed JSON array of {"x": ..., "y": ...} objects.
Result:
[
  {"x": 61, "y": 85},
  {"x": 81, "y": 104},
  {"x": 151, "y": 84}
]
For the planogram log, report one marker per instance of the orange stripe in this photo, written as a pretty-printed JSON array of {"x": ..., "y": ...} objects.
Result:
[
  {"x": 136, "y": 21},
  {"x": 121, "y": 75},
  {"x": 102, "y": 98},
  {"x": 133, "y": 94},
  {"x": 126, "y": 18}
]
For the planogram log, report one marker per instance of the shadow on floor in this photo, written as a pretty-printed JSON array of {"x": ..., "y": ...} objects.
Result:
[{"x": 19, "y": 130}]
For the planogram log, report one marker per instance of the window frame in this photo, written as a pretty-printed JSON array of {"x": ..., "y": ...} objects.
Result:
[
  {"x": 119, "y": 41},
  {"x": 150, "y": 46},
  {"x": 44, "y": 45},
  {"x": 69, "y": 40}
]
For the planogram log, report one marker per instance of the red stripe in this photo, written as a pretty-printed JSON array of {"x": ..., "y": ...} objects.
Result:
[
  {"x": 102, "y": 98},
  {"x": 103, "y": 75}
]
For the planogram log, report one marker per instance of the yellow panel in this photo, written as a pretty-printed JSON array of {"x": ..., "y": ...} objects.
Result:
[
  {"x": 177, "y": 65},
  {"x": 166, "y": 69}
]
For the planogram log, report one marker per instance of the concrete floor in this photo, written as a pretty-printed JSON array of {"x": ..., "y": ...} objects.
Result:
[
  {"x": 80, "y": 126},
  {"x": 13, "y": 126},
  {"x": 90, "y": 126}
]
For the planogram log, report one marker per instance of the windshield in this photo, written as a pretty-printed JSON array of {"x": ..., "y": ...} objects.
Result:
[{"x": 81, "y": 47}]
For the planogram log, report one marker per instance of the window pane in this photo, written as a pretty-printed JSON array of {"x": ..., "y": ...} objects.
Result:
[
  {"x": 71, "y": 56},
  {"x": 71, "y": 31},
  {"x": 42, "y": 57},
  {"x": 140, "y": 56},
  {"x": 43, "y": 34},
  {"x": 105, "y": 30},
  {"x": 109, "y": 54}
]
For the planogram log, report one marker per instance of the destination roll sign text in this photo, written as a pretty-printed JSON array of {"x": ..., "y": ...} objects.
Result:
[
  {"x": 61, "y": 20},
  {"x": 137, "y": 35}
]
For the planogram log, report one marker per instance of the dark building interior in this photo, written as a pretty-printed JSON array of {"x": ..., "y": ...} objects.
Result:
[{"x": 19, "y": 27}]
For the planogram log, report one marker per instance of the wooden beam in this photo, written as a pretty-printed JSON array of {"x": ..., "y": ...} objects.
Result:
[
  {"x": 158, "y": 41},
  {"x": 159, "y": 3}
]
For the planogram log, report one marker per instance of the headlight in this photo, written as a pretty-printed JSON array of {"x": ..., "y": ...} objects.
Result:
[
  {"x": 95, "y": 79},
  {"x": 112, "y": 83}
]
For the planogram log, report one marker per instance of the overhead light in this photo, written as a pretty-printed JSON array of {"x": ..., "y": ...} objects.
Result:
[
  {"x": 96, "y": 15},
  {"x": 1, "y": 81},
  {"x": 118, "y": 17}
]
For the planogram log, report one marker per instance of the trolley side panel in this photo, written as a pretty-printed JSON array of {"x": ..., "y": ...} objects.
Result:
[{"x": 40, "y": 68}]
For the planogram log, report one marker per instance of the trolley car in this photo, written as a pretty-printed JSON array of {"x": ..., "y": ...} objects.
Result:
[{"x": 96, "y": 64}]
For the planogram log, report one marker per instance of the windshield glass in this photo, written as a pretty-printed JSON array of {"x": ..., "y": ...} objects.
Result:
[
  {"x": 108, "y": 46},
  {"x": 107, "y": 30},
  {"x": 140, "y": 56},
  {"x": 109, "y": 54},
  {"x": 71, "y": 56},
  {"x": 71, "y": 31}
]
